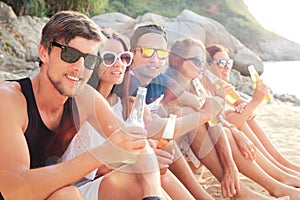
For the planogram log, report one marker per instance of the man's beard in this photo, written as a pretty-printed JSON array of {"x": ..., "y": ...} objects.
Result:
[{"x": 59, "y": 86}]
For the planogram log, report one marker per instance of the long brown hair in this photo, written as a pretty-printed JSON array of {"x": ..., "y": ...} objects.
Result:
[{"x": 94, "y": 81}]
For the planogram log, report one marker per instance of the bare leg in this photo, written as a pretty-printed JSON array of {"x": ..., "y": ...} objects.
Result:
[
  {"x": 267, "y": 143},
  {"x": 257, "y": 174},
  {"x": 67, "y": 193},
  {"x": 119, "y": 185},
  {"x": 251, "y": 135},
  {"x": 212, "y": 162},
  {"x": 275, "y": 171},
  {"x": 183, "y": 172},
  {"x": 174, "y": 187}
]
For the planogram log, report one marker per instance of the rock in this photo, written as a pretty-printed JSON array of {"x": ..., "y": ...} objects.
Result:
[
  {"x": 276, "y": 48},
  {"x": 6, "y": 12},
  {"x": 243, "y": 58},
  {"x": 12, "y": 68},
  {"x": 288, "y": 98},
  {"x": 187, "y": 24}
]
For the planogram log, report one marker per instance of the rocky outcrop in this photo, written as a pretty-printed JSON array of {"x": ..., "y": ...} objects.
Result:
[{"x": 276, "y": 48}]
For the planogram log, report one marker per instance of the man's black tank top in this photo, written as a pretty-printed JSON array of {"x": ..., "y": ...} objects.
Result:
[{"x": 46, "y": 146}]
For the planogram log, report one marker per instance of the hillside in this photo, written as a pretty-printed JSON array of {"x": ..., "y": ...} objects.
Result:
[{"x": 232, "y": 14}]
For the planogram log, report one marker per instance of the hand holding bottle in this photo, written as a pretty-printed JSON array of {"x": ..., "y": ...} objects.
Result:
[
  {"x": 135, "y": 121},
  {"x": 120, "y": 147},
  {"x": 164, "y": 155},
  {"x": 166, "y": 141},
  {"x": 231, "y": 94},
  {"x": 257, "y": 81},
  {"x": 260, "y": 93}
]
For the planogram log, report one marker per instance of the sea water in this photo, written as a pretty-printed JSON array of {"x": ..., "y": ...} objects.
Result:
[{"x": 283, "y": 77}]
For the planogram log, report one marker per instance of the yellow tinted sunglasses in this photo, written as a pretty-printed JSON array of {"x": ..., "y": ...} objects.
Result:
[{"x": 148, "y": 52}]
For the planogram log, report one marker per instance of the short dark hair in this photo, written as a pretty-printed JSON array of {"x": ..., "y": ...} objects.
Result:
[
  {"x": 142, "y": 30},
  {"x": 67, "y": 25}
]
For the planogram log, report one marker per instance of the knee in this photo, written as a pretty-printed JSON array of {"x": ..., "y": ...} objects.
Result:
[
  {"x": 127, "y": 185},
  {"x": 67, "y": 193}
]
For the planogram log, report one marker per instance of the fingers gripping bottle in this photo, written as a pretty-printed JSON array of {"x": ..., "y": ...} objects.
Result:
[
  {"x": 255, "y": 77},
  {"x": 135, "y": 118},
  {"x": 200, "y": 91},
  {"x": 219, "y": 84},
  {"x": 167, "y": 136},
  {"x": 232, "y": 96}
]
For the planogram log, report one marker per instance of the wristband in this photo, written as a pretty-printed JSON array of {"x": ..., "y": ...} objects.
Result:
[{"x": 152, "y": 198}]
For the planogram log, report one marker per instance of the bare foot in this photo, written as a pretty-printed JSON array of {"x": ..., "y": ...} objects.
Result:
[
  {"x": 247, "y": 194},
  {"x": 293, "y": 193},
  {"x": 292, "y": 181}
]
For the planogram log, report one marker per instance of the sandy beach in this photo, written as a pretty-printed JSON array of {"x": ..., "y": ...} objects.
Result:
[{"x": 282, "y": 123}]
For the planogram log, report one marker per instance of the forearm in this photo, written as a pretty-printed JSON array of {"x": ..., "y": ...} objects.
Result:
[
  {"x": 189, "y": 99},
  {"x": 183, "y": 125},
  {"x": 32, "y": 182},
  {"x": 189, "y": 122},
  {"x": 238, "y": 119},
  {"x": 224, "y": 151}
]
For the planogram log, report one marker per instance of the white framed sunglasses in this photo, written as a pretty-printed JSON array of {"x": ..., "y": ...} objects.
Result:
[
  {"x": 222, "y": 63},
  {"x": 109, "y": 58}
]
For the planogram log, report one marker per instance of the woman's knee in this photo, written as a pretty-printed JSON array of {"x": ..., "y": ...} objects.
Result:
[
  {"x": 127, "y": 185},
  {"x": 67, "y": 193}
]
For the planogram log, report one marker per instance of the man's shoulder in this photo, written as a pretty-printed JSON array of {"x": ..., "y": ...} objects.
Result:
[
  {"x": 13, "y": 103},
  {"x": 10, "y": 92},
  {"x": 10, "y": 89}
]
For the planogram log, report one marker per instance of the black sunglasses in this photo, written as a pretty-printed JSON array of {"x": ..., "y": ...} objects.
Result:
[
  {"x": 197, "y": 61},
  {"x": 222, "y": 63},
  {"x": 71, "y": 55}
]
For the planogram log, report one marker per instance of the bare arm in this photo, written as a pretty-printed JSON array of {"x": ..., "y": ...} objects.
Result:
[
  {"x": 238, "y": 118},
  {"x": 184, "y": 124},
  {"x": 17, "y": 180},
  {"x": 189, "y": 99},
  {"x": 230, "y": 181}
]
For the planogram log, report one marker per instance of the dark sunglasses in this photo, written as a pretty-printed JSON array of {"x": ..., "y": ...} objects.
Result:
[
  {"x": 109, "y": 58},
  {"x": 222, "y": 63},
  {"x": 148, "y": 52},
  {"x": 197, "y": 61},
  {"x": 71, "y": 55}
]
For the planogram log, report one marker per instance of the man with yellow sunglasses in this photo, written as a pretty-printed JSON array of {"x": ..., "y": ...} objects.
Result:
[{"x": 149, "y": 46}]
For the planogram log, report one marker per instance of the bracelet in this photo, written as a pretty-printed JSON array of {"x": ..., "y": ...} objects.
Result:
[
  {"x": 251, "y": 116},
  {"x": 152, "y": 198}
]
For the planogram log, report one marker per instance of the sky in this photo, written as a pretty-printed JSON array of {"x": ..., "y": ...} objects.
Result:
[{"x": 279, "y": 16}]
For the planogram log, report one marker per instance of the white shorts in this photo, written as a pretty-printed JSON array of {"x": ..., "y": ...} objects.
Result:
[{"x": 90, "y": 189}]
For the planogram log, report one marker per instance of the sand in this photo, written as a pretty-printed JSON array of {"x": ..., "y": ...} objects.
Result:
[{"x": 282, "y": 123}]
